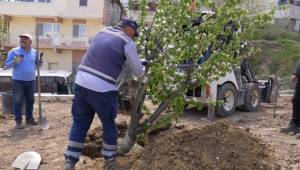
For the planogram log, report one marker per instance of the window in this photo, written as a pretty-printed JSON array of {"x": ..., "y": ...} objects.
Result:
[
  {"x": 45, "y": 29},
  {"x": 82, "y": 2},
  {"x": 79, "y": 30},
  {"x": 44, "y": 0},
  {"x": 282, "y": 2},
  {"x": 25, "y": 0}
]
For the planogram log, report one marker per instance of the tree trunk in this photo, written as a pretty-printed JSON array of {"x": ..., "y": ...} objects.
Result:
[{"x": 135, "y": 116}]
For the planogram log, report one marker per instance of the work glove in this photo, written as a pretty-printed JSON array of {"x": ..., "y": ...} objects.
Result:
[
  {"x": 143, "y": 79},
  {"x": 144, "y": 62}
]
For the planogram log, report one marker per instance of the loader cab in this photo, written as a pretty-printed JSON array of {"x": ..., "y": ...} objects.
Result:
[{"x": 52, "y": 81}]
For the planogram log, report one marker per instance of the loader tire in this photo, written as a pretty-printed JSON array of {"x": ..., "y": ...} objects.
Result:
[
  {"x": 252, "y": 98},
  {"x": 226, "y": 100}
]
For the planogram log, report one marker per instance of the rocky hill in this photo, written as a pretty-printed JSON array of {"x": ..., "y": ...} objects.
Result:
[{"x": 278, "y": 54}]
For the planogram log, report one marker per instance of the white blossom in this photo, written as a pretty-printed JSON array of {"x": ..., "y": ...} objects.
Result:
[{"x": 171, "y": 46}]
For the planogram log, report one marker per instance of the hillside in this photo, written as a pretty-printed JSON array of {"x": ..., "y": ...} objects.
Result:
[{"x": 279, "y": 51}]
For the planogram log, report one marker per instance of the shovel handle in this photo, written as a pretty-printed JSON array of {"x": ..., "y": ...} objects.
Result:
[{"x": 38, "y": 73}]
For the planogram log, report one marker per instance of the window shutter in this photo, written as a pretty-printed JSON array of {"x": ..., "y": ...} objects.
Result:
[
  {"x": 82, "y": 2},
  {"x": 40, "y": 29},
  {"x": 75, "y": 30}
]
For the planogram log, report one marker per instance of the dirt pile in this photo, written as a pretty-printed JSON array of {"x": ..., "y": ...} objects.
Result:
[
  {"x": 217, "y": 146},
  {"x": 6, "y": 116}
]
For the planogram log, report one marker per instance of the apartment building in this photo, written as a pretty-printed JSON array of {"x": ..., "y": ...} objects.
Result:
[
  {"x": 65, "y": 27},
  {"x": 133, "y": 11},
  {"x": 289, "y": 16}
]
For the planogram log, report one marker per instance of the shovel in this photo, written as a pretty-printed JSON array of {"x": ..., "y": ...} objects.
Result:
[
  {"x": 42, "y": 120},
  {"x": 27, "y": 160}
]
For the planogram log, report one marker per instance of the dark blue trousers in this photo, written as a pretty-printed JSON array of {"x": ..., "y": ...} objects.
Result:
[
  {"x": 23, "y": 91},
  {"x": 86, "y": 103},
  {"x": 296, "y": 104}
]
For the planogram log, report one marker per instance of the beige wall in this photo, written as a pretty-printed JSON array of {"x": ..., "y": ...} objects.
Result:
[
  {"x": 22, "y": 24},
  {"x": 66, "y": 28},
  {"x": 71, "y": 8},
  {"x": 64, "y": 59},
  {"x": 61, "y": 8},
  {"x": 93, "y": 27}
]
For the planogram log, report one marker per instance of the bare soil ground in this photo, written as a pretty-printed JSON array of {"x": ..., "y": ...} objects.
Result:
[{"x": 244, "y": 141}]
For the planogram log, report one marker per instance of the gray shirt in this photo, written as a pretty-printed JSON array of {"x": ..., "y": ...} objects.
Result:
[{"x": 94, "y": 83}]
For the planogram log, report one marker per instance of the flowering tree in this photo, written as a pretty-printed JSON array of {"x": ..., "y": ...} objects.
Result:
[
  {"x": 178, "y": 35},
  {"x": 3, "y": 35}
]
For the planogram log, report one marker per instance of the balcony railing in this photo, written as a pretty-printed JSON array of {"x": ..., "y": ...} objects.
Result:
[{"x": 55, "y": 42}]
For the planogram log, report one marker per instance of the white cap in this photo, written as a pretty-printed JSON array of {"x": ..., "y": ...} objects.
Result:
[{"x": 26, "y": 35}]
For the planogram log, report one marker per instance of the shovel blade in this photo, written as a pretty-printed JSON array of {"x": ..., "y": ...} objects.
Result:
[{"x": 43, "y": 123}]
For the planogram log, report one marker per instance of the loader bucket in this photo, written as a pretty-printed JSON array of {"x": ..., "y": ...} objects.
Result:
[{"x": 269, "y": 89}]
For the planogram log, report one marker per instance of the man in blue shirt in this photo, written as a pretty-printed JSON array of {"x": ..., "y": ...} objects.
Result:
[
  {"x": 23, "y": 61},
  {"x": 96, "y": 89}
]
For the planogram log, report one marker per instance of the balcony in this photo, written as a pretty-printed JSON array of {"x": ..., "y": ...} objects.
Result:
[
  {"x": 54, "y": 42},
  {"x": 294, "y": 11},
  {"x": 291, "y": 11}
]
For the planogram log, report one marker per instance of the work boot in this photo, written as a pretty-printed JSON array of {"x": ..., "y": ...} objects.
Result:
[
  {"x": 31, "y": 122},
  {"x": 291, "y": 128},
  {"x": 69, "y": 165},
  {"x": 110, "y": 164},
  {"x": 19, "y": 124}
]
